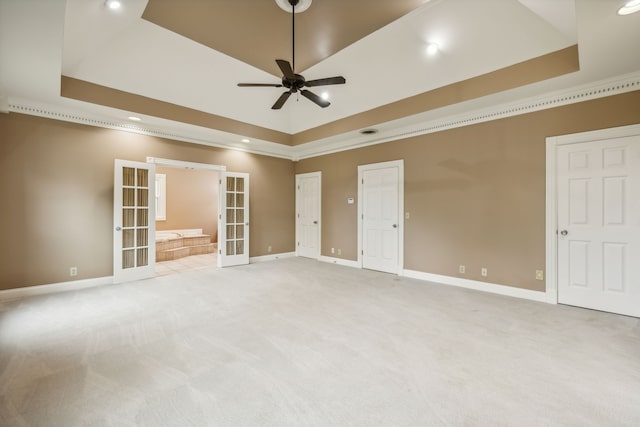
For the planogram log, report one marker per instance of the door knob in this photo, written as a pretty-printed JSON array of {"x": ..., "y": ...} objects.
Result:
[
  {"x": 395, "y": 225},
  {"x": 315, "y": 222},
  {"x": 564, "y": 232},
  {"x": 118, "y": 228}
]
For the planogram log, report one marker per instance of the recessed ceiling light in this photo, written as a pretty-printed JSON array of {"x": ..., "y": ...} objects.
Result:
[
  {"x": 432, "y": 48},
  {"x": 629, "y": 7},
  {"x": 134, "y": 118},
  {"x": 246, "y": 140},
  {"x": 113, "y": 4}
]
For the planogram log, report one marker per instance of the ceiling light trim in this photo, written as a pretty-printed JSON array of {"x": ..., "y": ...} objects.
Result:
[
  {"x": 300, "y": 7},
  {"x": 629, "y": 7}
]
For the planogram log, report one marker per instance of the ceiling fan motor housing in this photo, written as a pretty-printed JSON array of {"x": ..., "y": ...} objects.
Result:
[{"x": 294, "y": 84}]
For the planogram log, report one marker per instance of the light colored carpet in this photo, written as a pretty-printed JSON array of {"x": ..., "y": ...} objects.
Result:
[{"x": 296, "y": 342}]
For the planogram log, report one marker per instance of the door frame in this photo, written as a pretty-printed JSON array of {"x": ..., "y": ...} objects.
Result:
[
  {"x": 383, "y": 165},
  {"x": 551, "y": 221},
  {"x": 180, "y": 164},
  {"x": 185, "y": 165},
  {"x": 309, "y": 175}
]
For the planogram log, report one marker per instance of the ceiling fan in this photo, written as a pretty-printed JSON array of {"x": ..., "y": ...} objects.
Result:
[{"x": 295, "y": 82}]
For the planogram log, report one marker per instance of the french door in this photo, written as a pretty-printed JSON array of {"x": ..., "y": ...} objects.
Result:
[
  {"x": 308, "y": 214},
  {"x": 598, "y": 190},
  {"x": 380, "y": 218},
  {"x": 233, "y": 224},
  {"x": 134, "y": 221}
]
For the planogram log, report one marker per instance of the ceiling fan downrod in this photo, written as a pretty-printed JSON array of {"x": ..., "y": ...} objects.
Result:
[{"x": 293, "y": 4}]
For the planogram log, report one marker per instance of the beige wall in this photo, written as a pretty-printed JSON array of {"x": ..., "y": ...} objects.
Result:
[
  {"x": 56, "y": 187},
  {"x": 476, "y": 194},
  {"x": 192, "y": 200}
]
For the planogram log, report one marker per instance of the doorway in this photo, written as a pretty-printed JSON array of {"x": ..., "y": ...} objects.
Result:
[
  {"x": 186, "y": 219},
  {"x": 594, "y": 226},
  {"x": 380, "y": 215},
  {"x": 135, "y": 200}
]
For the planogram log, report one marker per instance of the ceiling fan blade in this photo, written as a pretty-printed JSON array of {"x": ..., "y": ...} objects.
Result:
[
  {"x": 315, "y": 98},
  {"x": 338, "y": 80},
  {"x": 259, "y": 85},
  {"x": 280, "y": 102},
  {"x": 286, "y": 69}
]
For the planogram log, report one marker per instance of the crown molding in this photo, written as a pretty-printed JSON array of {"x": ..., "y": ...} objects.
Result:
[
  {"x": 344, "y": 142},
  {"x": 354, "y": 140},
  {"x": 187, "y": 133}
]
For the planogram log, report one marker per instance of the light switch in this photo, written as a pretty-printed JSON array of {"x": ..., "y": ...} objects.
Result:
[{"x": 407, "y": 215}]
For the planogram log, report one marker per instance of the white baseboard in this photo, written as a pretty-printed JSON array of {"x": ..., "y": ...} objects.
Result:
[
  {"x": 339, "y": 261},
  {"x": 271, "y": 257},
  {"x": 479, "y": 286},
  {"x": 17, "y": 293}
]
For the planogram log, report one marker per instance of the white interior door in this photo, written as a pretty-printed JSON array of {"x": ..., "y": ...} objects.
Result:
[
  {"x": 381, "y": 214},
  {"x": 134, "y": 246},
  {"x": 599, "y": 225},
  {"x": 233, "y": 224},
  {"x": 308, "y": 199}
]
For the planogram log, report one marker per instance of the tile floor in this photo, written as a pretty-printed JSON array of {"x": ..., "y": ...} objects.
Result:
[{"x": 193, "y": 262}]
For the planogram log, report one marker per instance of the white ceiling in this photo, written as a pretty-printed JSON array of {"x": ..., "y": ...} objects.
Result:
[{"x": 42, "y": 39}]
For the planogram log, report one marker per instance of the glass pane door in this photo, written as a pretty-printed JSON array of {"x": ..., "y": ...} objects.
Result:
[
  {"x": 234, "y": 219},
  {"x": 134, "y": 227}
]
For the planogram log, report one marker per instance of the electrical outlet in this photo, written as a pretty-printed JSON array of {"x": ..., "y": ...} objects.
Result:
[
  {"x": 407, "y": 215},
  {"x": 73, "y": 271},
  {"x": 269, "y": 249},
  {"x": 462, "y": 269},
  {"x": 339, "y": 251},
  {"x": 483, "y": 272},
  {"x": 333, "y": 250},
  {"x": 539, "y": 275}
]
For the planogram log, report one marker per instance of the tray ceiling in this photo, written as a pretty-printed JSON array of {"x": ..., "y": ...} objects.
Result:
[{"x": 177, "y": 63}]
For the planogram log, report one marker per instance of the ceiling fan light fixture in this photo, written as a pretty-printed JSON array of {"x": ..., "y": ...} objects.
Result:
[
  {"x": 629, "y": 7},
  {"x": 301, "y": 5}
]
